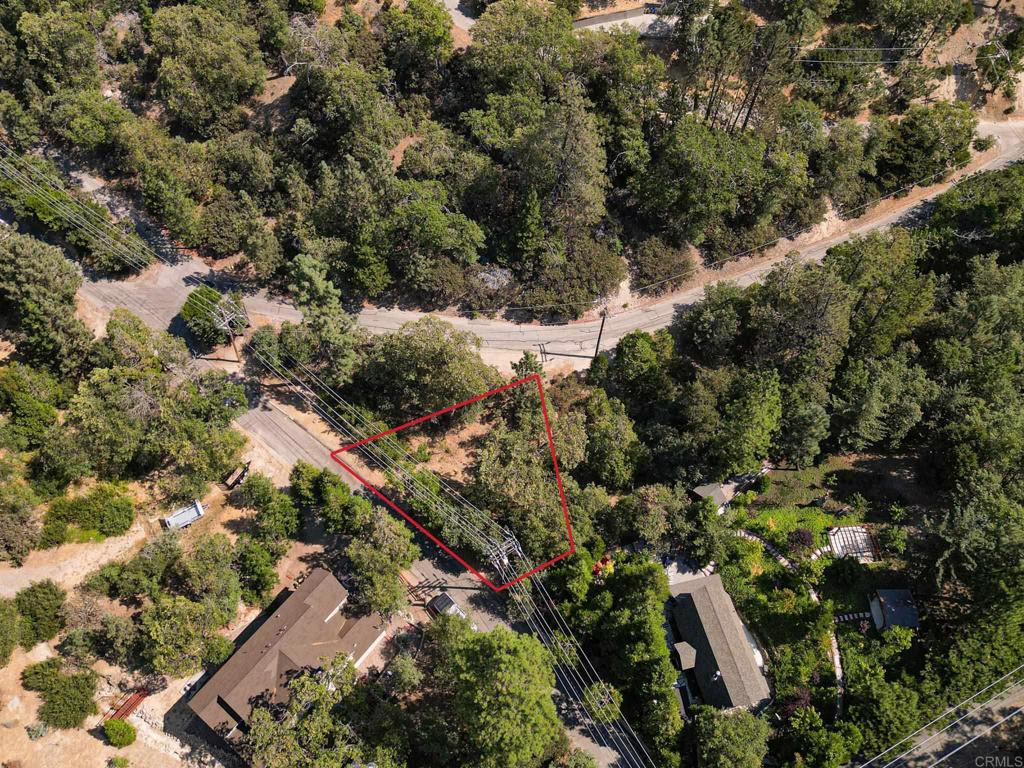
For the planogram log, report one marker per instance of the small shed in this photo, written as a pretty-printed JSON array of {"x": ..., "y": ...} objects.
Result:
[
  {"x": 893, "y": 608},
  {"x": 184, "y": 517},
  {"x": 719, "y": 493}
]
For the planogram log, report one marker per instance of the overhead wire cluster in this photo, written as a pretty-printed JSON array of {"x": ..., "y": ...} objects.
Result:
[{"x": 576, "y": 673}]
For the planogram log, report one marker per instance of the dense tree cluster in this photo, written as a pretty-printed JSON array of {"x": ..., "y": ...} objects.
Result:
[
  {"x": 468, "y": 698},
  {"x": 904, "y": 342},
  {"x": 530, "y": 169},
  {"x": 185, "y": 597}
]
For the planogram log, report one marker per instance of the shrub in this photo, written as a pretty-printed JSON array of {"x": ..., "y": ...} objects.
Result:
[
  {"x": 763, "y": 484},
  {"x": 42, "y": 676},
  {"x": 205, "y": 311},
  {"x": 107, "y": 509},
  {"x": 660, "y": 266},
  {"x": 117, "y": 762},
  {"x": 39, "y": 606},
  {"x": 36, "y": 731},
  {"x": 9, "y": 630},
  {"x": 67, "y": 699},
  {"x": 119, "y": 733},
  {"x": 983, "y": 143},
  {"x": 217, "y": 650},
  {"x": 800, "y": 540},
  {"x": 894, "y": 539}
]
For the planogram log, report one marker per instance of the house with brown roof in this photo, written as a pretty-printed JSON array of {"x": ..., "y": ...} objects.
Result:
[
  {"x": 720, "y": 659},
  {"x": 308, "y": 627}
]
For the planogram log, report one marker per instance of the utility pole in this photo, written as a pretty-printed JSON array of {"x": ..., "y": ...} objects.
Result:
[
  {"x": 228, "y": 311},
  {"x": 600, "y": 332}
]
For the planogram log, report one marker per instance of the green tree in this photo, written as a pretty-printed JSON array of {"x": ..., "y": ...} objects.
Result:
[
  {"x": 814, "y": 744},
  {"x": 211, "y": 316},
  {"x": 256, "y": 572},
  {"x": 500, "y": 684},
  {"x": 59, "y": 48},
  {"x": 658, "y": 267},
  {"x": 700, "y": 179},
  {"x": 981, "y": 215},
  {"x": 427, "y": 239},
  {"x": 205, "y": 64},
  {"x": 613, "y": 449},
  {"x": 884, "y": 711},
  {"x": 650, "y": 515},
  {"x": 918, "y": 23},
  {"x": 891, "y": 295},
  {"x": 304, "y": 731},
  {"x": 417, "y": 41},
  {"x": 378, "y": 554},
  {"x": 426, "y": 366},
  {"x": 339, "y": 111},
  {"x": 999, "y": 62},
  {"x": 178, "y": 635},
  {"x": 85, "y": 118},
  {"x": 40, "y": 608},
  {"x": 750, "y": 420},
  {"x": 731, "y": 739},
  {"x": 522, "y": 46},
  {"x": 38, "y": 285},
  {"x": 929, "y": 143},
  {"x": 839, "y": 87},
  {"x": 623, "y": 626},
  {"x": 20, "y": 126}
]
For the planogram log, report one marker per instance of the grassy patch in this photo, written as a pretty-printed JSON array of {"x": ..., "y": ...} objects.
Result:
[
  {"x": 75, "y": 535},
  {"x": 794, "y": 630},
  {"x": 868, "y": 483},
  {"x": 795, "y": 487},
  {"x": 776, "y": 524}
]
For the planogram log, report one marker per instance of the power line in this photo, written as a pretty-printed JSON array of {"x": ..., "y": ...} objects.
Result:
[
  {"x": 574, "y": 681},
  {"x": 973, "y": 739},
  {"x": 944, "y": 715}
]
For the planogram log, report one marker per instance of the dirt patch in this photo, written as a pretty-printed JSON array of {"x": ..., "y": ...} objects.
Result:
[
  {"x": 397, "y": 152},
  {"x": 883, "y": 481},
  {"x": 274, "y": 103},
  {"x": 84, "y": 747},
  {"x": 593, "y": 8},
  {"x": 453, "y": 454},
  {"x": 94, "y": 316},
  {"x": 461, "y": 38},
  {"x": 68, "y": 564}
]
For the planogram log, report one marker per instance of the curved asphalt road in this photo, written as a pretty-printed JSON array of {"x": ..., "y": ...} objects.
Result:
[{"x": 160, "y": 291}]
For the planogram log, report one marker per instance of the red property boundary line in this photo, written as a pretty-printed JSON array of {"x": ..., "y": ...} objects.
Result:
[{"x": 535, "y": 378}]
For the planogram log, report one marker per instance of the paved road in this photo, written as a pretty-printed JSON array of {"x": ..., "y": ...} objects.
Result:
[
  {"x": 649, "y": 24},
  {"x": 288, "y": 441},
  {"x": 996, "y": 732},
  {"x": 162, "y": 289}
]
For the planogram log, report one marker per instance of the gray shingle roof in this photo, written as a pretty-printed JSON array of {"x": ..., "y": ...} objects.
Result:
[
  {"x": 894, "y": 608},
  {"x": 724, "y": 664}
]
